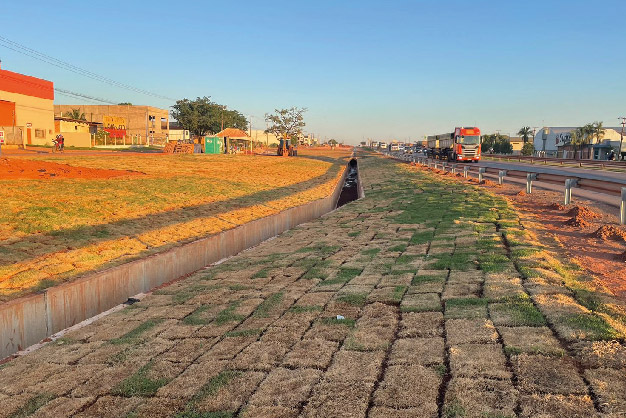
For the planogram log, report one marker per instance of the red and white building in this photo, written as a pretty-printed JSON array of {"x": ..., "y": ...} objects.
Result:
[{"x": 26, "y": 109}]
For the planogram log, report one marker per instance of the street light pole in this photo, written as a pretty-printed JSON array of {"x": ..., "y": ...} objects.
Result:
[{"x": 621, "y": 138}]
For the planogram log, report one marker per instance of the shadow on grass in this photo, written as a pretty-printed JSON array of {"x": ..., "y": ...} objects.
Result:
[{"x": 81, "y": 236}]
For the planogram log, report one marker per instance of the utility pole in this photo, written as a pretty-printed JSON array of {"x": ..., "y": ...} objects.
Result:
[
  {"x": 250, "y": 122},
  {"x": 621, "y": 139}
]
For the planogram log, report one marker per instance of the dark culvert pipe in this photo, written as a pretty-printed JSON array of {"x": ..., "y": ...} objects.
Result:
[{"x": 350, "y": 189}]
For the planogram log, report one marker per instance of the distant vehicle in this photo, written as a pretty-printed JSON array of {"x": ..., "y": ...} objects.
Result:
[
  {"x": 461, "y": 145},
  {"x": 374, "y": 144},
  {"x": 401, "y": 147},
  {"x": 394, "y": 147},
  {"x": 382, "y": 146},
  {"x": 285, "y": 148}
]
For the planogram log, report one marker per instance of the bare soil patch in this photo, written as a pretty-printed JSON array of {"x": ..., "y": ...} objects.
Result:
[
  {"x": 556, "y": 206},
  {"x": 578, "y": 222},
  {"x": 610, "y": 232},
  {"x": 18, "y": 168},
  {"x": 583, "y": 212}
]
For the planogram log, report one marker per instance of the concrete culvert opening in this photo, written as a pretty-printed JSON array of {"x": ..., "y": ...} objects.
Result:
[{"x": 350, "y": 189}]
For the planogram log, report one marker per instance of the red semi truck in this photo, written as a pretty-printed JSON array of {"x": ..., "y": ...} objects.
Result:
[{"x": 461, "y": 145}]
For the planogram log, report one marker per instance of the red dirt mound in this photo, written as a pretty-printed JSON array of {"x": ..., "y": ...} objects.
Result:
[
  {"x": 610, "y": 232},
  {"x": 621, "y": 257},
  {"x": 583, "y": 212},
  {"x": 521, "y": 193},
  {"x": 556, "y": 206},
  {"x": 577, "y": 221},
  {"x": 11, "y": 169}
]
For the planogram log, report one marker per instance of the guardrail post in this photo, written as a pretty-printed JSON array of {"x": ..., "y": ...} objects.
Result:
[
  {"x": 465, "y": 170},
  {"x": 622, "y": 208},
  {"x": 453, "y": 168},
  {"x": 444, "y": 165},
  {"x": 529, "y": 182},
  {"x": 481, "y": 171},
  {"x": 568, "y": 191},
  {"x": 501, "y": 175}
]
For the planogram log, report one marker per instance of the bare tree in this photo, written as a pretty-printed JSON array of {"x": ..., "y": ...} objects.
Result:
[{"x": 286, "y": 123}]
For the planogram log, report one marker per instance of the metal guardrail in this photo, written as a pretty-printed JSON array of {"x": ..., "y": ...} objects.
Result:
[
  {"x": 560, "y": 161},
  {"x": 607, "y": 186}
]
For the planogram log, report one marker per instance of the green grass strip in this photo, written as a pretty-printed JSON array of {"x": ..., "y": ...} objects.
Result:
[
  {"x": 263, "y": 310},
  {"x": 228, "y": 315},
  {"x": 133, "y": 335},
  {"x": 32, "y": 405},
  {"x": 139, "y": 384}
]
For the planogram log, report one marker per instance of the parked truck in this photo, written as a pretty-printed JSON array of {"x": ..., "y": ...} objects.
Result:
[{"x": 461, "y": 145}]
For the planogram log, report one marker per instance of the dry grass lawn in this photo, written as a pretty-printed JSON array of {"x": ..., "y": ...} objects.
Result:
[{"x": 56, "y": 229}]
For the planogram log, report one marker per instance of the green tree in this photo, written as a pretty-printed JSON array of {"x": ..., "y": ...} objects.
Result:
[
  {"x": 503, "y": 145},
  {"x": 578, "y": 138},
  {"x": 101, "y": 137},
  {"x": 234, "y": 119},
  {"x": 125, "y": 104},
  {"x": 286, "y": 123},
  {"x": 332, "y": 143},
  {"x": 528, "y": 148},
  {"x": 488, "y": 142},
  {"x": 525, "y": 132},
  {"x": 202, "y": 116},
  {"x": 75, "y": 114},
  {"x": 597, "y": 130}
]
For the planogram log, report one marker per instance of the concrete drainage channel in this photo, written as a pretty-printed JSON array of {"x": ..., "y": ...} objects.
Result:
[
  {"x": 352, "y": 188},
  {"x": 33, "y": 319}
]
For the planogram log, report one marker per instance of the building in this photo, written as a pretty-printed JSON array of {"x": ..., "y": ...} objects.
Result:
[
  {"x": 555, "y": 142},
  {"x": 259, "y": 135},
  {"x": 26, "y": 109},
  {"x": 77, "y": 132},
  {"x": 178, "y": 133},
  {"x": 517, "y": 142},
  {"x": 125, "y": 124}
]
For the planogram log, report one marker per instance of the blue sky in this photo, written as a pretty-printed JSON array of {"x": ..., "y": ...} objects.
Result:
[{"x": 381, "y": 70}]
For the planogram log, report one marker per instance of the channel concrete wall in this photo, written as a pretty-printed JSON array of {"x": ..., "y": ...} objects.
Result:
[{"x": 28, "y": 320}]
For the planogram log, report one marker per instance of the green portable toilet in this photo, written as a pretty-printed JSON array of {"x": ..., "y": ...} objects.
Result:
[{"x": 212, "y": 145}]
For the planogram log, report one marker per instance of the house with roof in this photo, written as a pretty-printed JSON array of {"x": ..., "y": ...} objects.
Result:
[
  {"x": 77, "y": 132},
  {"x": 26, "y": 109}
]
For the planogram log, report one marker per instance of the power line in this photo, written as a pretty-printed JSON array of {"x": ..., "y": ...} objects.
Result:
[
  {"x": 82, "y": 96},
  {"x": 14, "y": 46}
]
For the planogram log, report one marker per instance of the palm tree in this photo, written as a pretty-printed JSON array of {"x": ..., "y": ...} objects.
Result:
[
  {"x": 75, "y": 114},
  {"x": 525, "y": 133},
  {"x": 578, "y": 138},
  {"x": 597, "y": 131}
]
